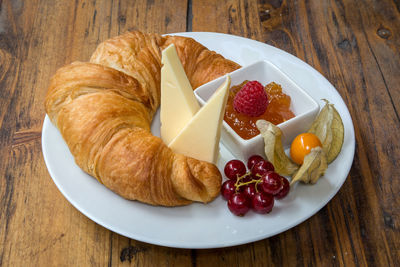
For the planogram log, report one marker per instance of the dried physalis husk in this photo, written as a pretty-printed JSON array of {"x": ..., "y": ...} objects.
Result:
[
  {"x": 328, "y": 126},
  {"x": 273, "y": 148},
  {"x": 313, "y": 167}
]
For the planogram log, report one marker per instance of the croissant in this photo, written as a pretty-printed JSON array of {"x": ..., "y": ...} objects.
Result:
[{"x": 104, "y": 108}]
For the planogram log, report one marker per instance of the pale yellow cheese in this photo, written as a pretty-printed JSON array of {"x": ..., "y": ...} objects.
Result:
[
  {"x": 199, "y": 139},
  {"x": 178, "y": 103}
]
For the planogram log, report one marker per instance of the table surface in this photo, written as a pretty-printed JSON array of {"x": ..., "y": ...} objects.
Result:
[{"x": 354, "y": 44}]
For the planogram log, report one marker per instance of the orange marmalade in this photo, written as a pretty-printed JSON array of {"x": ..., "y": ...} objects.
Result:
[{"x": 278, "y": 111}]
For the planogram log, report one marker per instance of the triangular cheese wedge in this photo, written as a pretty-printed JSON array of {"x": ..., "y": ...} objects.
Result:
[
  {"x": 178, "y": 103},
  {"x": 199, "y": 139}
]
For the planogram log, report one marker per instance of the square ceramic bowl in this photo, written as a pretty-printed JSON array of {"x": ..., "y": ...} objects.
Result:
[{"x": 303, "y": 106}]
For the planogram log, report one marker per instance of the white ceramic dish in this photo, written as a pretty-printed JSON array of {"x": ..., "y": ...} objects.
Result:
[
  {"x": 212, "y": 225},
  {"x": 303, "y": 106}
]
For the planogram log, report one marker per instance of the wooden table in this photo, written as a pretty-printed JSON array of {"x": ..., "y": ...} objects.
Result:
[{"x": 354, "y": 44}]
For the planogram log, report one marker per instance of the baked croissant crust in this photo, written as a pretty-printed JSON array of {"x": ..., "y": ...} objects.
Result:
[{"x": 104, "y": 108}]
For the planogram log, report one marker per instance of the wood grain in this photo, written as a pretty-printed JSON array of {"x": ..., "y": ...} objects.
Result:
[{"x": 354, "y": 44}]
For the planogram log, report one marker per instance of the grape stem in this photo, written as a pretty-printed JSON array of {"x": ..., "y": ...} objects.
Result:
[{"x": 239, "y": 184}]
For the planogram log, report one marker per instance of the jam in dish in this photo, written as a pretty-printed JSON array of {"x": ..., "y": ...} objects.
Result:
[{"x": 278, "y": 111}]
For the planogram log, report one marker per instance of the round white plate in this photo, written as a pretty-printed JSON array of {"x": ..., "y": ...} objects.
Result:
[{"x": 212, "y": 225}]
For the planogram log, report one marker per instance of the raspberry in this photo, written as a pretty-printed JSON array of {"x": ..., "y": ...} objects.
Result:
[{"x": 251, "y": 100}]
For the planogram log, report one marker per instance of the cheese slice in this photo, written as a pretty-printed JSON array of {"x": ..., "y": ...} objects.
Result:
[
  {"x": 178, "y": 103},
  {"x": 199, "y": 139}
]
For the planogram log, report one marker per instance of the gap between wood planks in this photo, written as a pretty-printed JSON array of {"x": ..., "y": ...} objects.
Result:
[{"x": 189, "y": 16}]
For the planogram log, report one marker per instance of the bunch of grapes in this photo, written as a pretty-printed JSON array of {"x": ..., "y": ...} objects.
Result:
[{"x": 255, "y": 188}]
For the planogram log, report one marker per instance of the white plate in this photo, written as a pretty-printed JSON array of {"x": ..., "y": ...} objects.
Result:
[{"x": 212, "y": 225}]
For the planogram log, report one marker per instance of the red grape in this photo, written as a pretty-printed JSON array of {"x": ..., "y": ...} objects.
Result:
[
  {"x": 256, "y": 189},
  {"x": 253, "y": 160},
  {"x": 238, "y": 204},
  {"x": 261, "y": 168},
  {"x": 228, "y": 189},
  {"x": 284, "y": 190},
  {"x": 262, "y": 202},
  {"x": 249, "y": 190},
  {"x": 234, "y": 169},
  {"x": 271, "y": 183}
]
